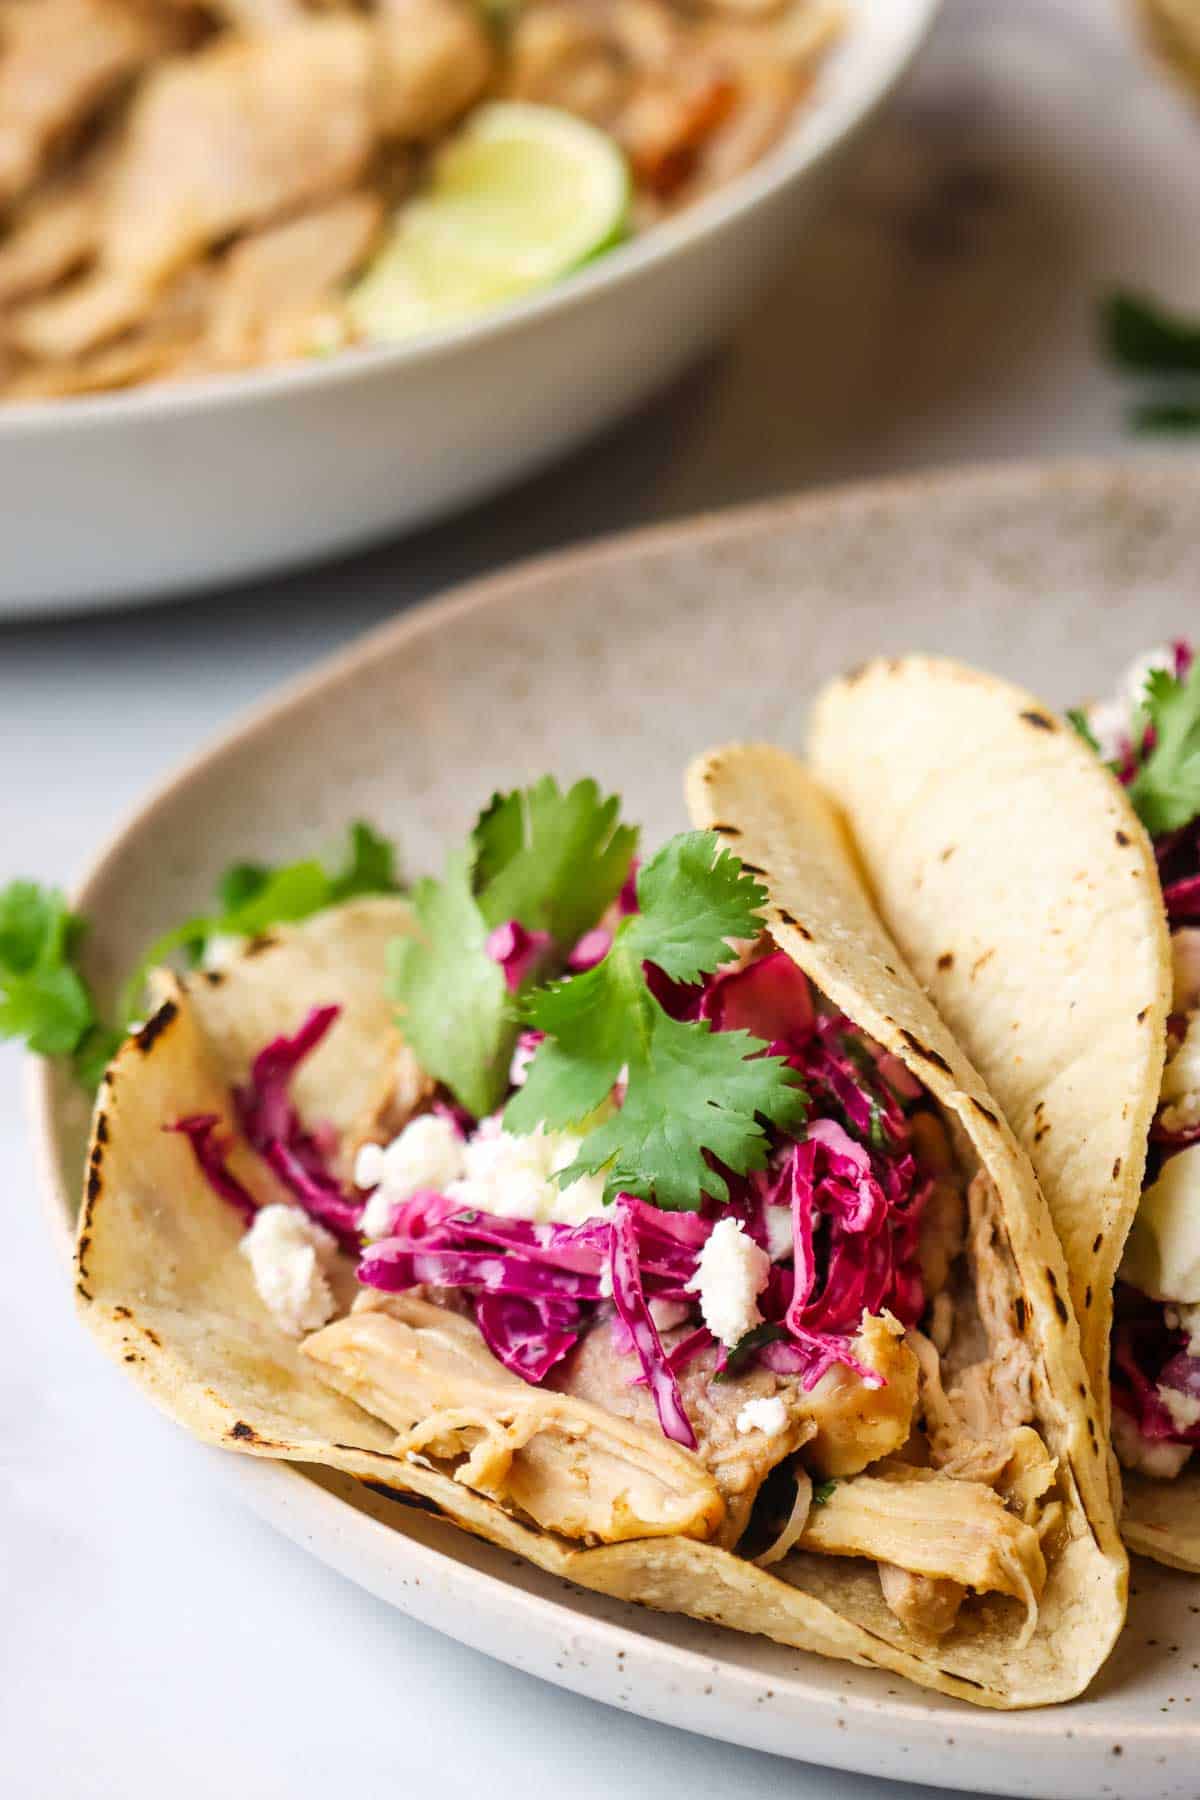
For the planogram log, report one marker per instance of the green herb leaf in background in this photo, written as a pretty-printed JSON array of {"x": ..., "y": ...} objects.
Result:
[
  {"x": 252, "y": 897},
  {"x": 43, "y": 997},
  {"x": 1144, "y": 336}
]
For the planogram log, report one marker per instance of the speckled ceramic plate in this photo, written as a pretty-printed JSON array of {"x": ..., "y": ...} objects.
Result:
[{"x": 622, "y": 660}]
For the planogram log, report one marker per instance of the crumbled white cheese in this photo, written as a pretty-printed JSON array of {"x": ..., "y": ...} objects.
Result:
[
  {"x": 1156, "y": 1457},
  {"x": 514, "y": 1177},
  {"x": 731, "y": 1271},
  {"x": 766, "y": 1415},
  {"x": 428, "y": 1154},
  {"x": 221, "y": 949},
  {"x": 1181, "y": 1081},
  {"x": 1109, "y": 722},
  {"x": 1162, "y": 1252},
  {"x": 1183, "y": 1408},
  {"x": 779, "y": 1231},
  {"x": 289, "y": 1254},
  {"x": 1133, "y": 685}
]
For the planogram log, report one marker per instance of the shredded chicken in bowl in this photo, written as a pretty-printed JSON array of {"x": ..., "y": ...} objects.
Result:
[{"x": 190, "y": 186}]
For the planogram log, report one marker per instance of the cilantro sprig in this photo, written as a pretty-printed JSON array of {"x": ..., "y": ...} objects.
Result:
[
  {"x": 45, "y": 999},
  {"x": 554, "y": 862},
  {"x": 251, "y": 897},
  {"x": 692, "y": 1097},
  {"x": 1166, "y": 789},
  {"x": 43, "y": 996}
]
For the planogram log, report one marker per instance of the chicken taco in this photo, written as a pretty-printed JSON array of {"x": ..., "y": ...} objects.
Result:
[
  {"x": 644, "y": 1219},
  {"x": 1042, "y": 877}
]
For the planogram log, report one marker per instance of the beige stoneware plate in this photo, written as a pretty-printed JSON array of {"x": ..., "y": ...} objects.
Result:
[{"x": 622, "y": 661}]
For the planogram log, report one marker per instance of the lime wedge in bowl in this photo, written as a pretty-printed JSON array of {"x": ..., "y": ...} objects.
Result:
[{"x": 517, "y": 199}]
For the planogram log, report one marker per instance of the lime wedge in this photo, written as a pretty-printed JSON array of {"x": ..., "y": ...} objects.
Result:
[{"x": 518, "y": 198}]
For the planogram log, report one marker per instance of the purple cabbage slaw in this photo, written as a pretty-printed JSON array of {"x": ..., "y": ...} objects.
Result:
[
  {"x": 855, "y": 1208},
  {"x": 850, "y": 1184},
  {"x": 272, "y": 1126}
]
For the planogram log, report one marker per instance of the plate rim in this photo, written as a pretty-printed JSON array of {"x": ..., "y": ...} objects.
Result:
[{"x": 273, "y": 1488}]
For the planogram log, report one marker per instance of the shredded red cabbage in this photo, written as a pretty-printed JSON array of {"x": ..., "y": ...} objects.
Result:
[
  {"x": 629, "y": 1298},
  {"x": 536, "y": 1288},
  {"x": 591, "y": 949},
  {"x": 299, "y": 1158},
  {"x": 517, "y": 951},
  {"x": 1144, "y": 1349},
  {"x": 211, "y": 1150}
]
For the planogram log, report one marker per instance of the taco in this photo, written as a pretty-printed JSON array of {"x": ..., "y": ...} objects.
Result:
[
  {"x": 644, "y": 1220},
  {"x": 1042, "y": 877}
]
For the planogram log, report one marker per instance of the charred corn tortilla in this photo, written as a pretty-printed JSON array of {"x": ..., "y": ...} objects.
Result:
[
  {"x": 161, "y": 1282},
  {"x": 1023, "y": 890}
]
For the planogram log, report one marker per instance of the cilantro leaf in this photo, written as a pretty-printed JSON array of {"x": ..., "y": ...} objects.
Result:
[
  {"x": 743, "y": 1350},
  {"x": 43, "y": 997},
  {"x": 240, "y": 883},
  {"x": 93, "y": 1053},
  {"x": 455, "y": 1009},
  {"x": 1078, "y": 720},
  {"x": 693, "y": 897},
  {"x": 369, "y": 868},
  {"x": 691, "y": 1094},
  {"x": 1166, "y": 790},
  {"x": 251, "y": 897},
  {"x": 550, "y": 860},
  {"x": 823, "y": 1492},
  {"x": 1140, "y": 334}
]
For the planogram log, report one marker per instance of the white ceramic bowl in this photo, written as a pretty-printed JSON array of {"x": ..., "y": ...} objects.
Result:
[
  {"x": 127, "y": 496},
  {"x": 621, "y": 661}
]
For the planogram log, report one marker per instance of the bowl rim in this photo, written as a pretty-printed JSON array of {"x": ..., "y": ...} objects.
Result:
[
  {"x": 886, "y": 51},
  {"x": 272, "y": 1488}
]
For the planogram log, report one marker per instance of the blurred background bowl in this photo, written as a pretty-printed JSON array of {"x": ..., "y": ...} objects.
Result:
[{"x": 132, "y": 496}]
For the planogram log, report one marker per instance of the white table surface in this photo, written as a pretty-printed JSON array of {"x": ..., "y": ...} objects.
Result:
[{"x": 155, "y": 1639}]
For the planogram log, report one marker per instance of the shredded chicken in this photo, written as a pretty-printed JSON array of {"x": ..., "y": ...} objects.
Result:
[
  {"x": 926, "y": 1605},
  {"x": 738, "y": 1461},
  {"x": 59, "y": 60},
  {"x": 239, "y": 133},
  {"x": 276, "y": 286},
  {"x": 54, "y": 234},
  {"x": 571, "y": 1466},
  {"x": 216, "y": 120},
  {"x": 434, "y": 60},
  {"x": 930, "y": 1524}
]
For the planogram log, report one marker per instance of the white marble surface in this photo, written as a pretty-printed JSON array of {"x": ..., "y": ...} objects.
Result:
[{"x": 156, "y": 1639}]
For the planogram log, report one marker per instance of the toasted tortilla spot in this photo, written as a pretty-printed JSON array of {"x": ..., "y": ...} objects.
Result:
[{"x": 924, "y": 1052}]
